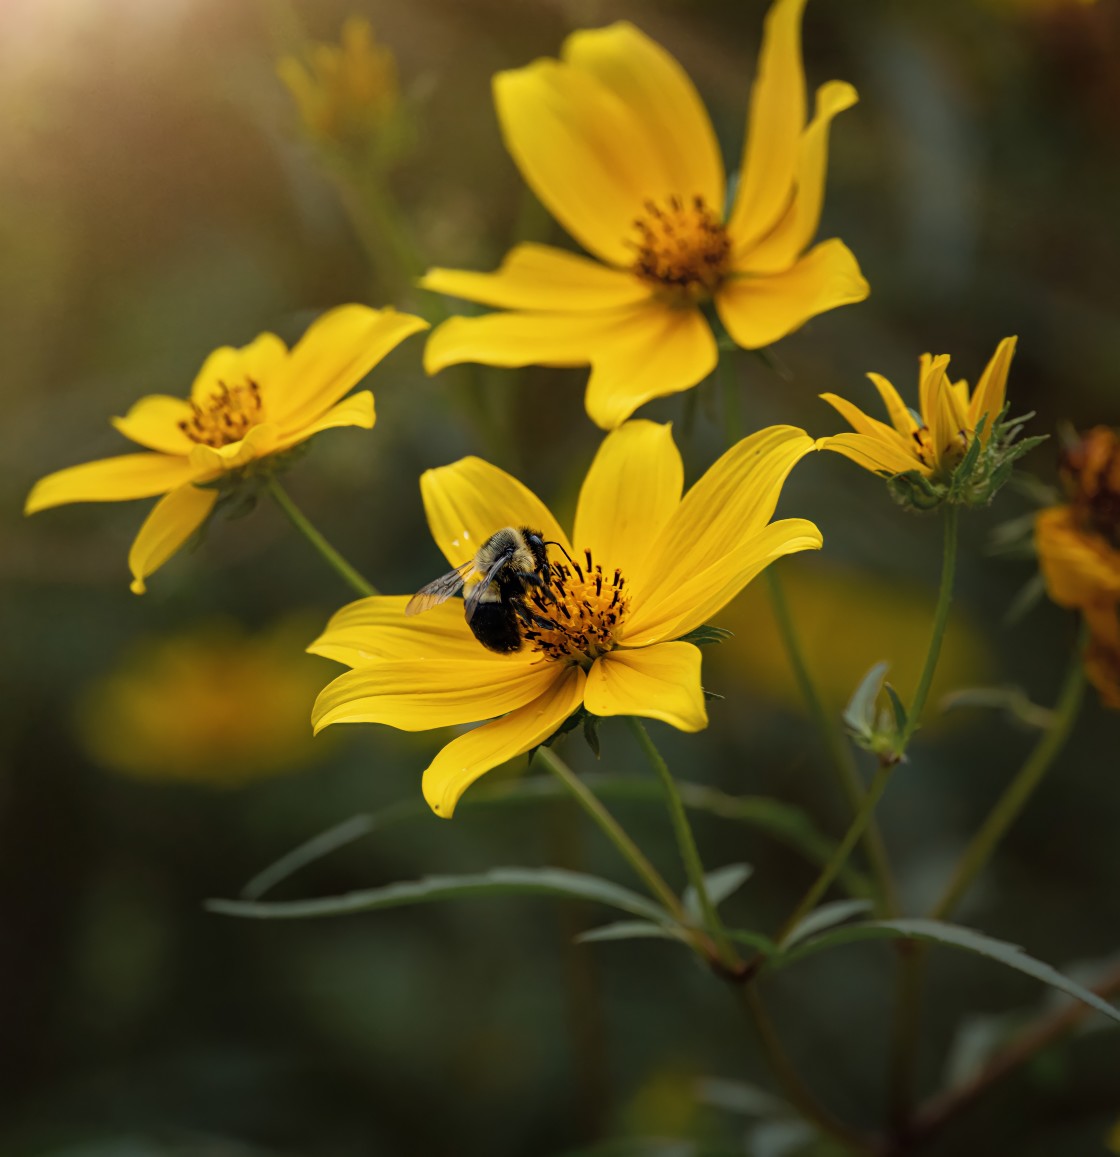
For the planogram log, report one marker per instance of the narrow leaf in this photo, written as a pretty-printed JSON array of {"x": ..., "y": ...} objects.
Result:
[
  {"x": 497, "y": 882},
  {"x": 953, "y": 936},
  {"x": 739, "y": 1097},
  {"x": 721, "y": 883},
  {"x": 631, "y": 930},
  {"x": 826, "y": 916}
]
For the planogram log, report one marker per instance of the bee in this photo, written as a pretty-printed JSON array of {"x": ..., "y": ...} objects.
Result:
[{"x": 508, "y": 563}]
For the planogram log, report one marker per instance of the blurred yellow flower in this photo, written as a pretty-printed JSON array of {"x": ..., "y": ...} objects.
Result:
[
  {"x": 1102, "y": 655},
  {"x": 245, "y": 404},
  {"x": 615, "y": 142},
  {"x": 645, "y": 568},
  {"x": 346, "y": 93},
  {"x": 211, "y": 705},
  {"x": 933, "y": 441}
]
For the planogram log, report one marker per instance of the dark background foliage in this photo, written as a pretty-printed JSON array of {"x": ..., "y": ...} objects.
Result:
[{"x": 156, "y": 200}]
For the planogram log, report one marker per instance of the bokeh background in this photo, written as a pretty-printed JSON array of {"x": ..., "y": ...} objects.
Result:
[{"x": 157, "y": 199}]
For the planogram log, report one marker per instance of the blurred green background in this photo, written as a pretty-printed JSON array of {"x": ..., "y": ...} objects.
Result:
[{"x": 157, "y": 199}]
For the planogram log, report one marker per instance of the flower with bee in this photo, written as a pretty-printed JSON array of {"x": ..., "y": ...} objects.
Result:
[
  {"x": 602, "y": 618},
  {"x": 616, "y": 143}
]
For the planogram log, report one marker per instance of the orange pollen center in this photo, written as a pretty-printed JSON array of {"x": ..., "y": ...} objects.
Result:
[
  {"x": 577, "y": 615},
  {"x": 682, "y": 248},
  {"x": 226, "y": 417}
]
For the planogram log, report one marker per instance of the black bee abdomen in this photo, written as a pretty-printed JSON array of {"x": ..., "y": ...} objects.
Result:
[{"x": 495, "y": 626}]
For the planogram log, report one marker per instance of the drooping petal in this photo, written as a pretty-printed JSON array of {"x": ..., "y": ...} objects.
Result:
[
  {"x": 419, "y": 694},
  {"x": 111, "y": 480},
  {"x": 259, "y": 361},
  {"x": 470, "y": 500},
  {"x": 1079, "y": 568},
  {"x": 582, "y": 151},
  {"x": 774, "y": 126},
  {"x": 674, "y": 611},
  {"x": 653, "y": 85},
  {"x": 780, "y": 248},
  {"x": 631, "y": 490},
  {"x": 171, "y": 522},
  {"x": 210, "y": 461},
  {"x": 332, "y": 357},
  {"x": 658, "y": 682},
  {"x": 539, "y": 277},
  {"x": 725, "y": 510},
  {"x": 896, "y": 443},
  {"x": 991, "y": 390},
  {"x": 760, "y": 310},
  {"x": 902, "y": 417},
  {"x": 354, "y": 410},
  {"x": 376, "y": 628},
  {"x": 470, "y": 756},
  {"x": 154, "y": 422},
  {"x": 876, "y": 454}
]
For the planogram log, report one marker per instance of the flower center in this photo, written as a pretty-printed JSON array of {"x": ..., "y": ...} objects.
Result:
[
  {"x": 226, "y": 417},
  {"x": 950, "y": 455},
  {"x": 1090, "y": 471},
  {"x": 578, "y": 613},
  {"x": 682, "y": 249}
]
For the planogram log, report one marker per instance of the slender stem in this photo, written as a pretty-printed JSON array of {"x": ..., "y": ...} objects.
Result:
[
  {"x": 614, "y": 832},
  {"x": 839, "y": 750},
  {"x": 1020, "y": 789},
  {"x": 843, "y": 851},
  {"x": 686, "y": 842},
  {"x": 937, "y": 634},
  {"x": 793, "y": 1087},
  {"x": 333, "y": 559}
]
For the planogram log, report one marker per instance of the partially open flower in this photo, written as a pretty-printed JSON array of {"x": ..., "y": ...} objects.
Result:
[
  {"x": 245, "y": 405},
  {"x": 643, "y": 568}
]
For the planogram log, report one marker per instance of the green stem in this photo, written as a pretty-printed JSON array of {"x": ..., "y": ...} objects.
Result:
[
  {"x": 937, "y": 635},
  {"x": 1020, "y": 789},
  {"x": 335, "y": 560},
  {"x": 840, "y": 752},
  {"x": 789, "y": 1079},
  {"x": 843, "y": 851},
  {"x": 614, "y": 832},
  {"x": 686, "y": 842}
]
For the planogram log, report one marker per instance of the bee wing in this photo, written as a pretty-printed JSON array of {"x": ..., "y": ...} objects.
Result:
[
  {"x": 474, "y": 595},
  {"x": 439, "y": 590}
]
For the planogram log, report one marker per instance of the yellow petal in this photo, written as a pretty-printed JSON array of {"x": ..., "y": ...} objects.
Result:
[
  {"x": 991, "y": 390},
  {"x": 774, "y": 126},
  {"x": 872, "y": 427},
  {"x": 111, "y": 480},
  {"x": 674, "y": 611},
  {"x": 1079, "y": 568},
  {"x": 368, "y": 630},
  {"x": 760, "y": 310},
  {"x": 470, "y": 756},
  {"x": 210, "y": 461},
  {"x": 419, "y": 694},
  {"x": 171, "y": 522},
  {"x": 470, "y": 500},
  {"x": 632, "y": 488},
  {"x": 655, "y": 87},
  {"x": 582, "y": 151},
  {"x": 943, "y": 412},
  {"x": 636, "y": 354},
  {"x": 332, "y": 357},
  {"x": 355, "y": 410},
  {"x": 929, "y": 386},
  {"x": 539, "y": 277},
  {"x": 900, "y": 414},
  {"x": 780, "y": 248},
  {"x": 154, "y": 422},
  {"x": 260, "y": 361},
  {"x": 875, "y": 454},
  {"x": 659, "y": 682}
]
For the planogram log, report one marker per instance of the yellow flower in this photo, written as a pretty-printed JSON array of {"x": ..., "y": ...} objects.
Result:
[
  {"x": 649, "y": 567},
  {"x": 211, "y": 706},
  {"x": 346, "y": 93},
  {"x": 615, "y": 142},
  {"x": 246, "y": 404},
  {"x": 934, "y": 441},
  {"x": 1102, "y": 655}
]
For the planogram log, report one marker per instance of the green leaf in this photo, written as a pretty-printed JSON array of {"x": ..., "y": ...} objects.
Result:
[
  {"x": 705, "y": 635},
  {"x": 859, "y": 715},
  {"x": 497, "y": 882},
  {"x": 897, "y": 708},
  {"x": 826, "y": 916},
  {"x": 1013, "y": 700},
  {"x": 953, "y": 936},
  {"x": 721, "y": 883},
  {"x": 739, "y": 1097},
  {"x": 632, "y": 930},
  {"x": 755, "y": 940}
]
